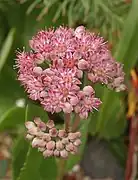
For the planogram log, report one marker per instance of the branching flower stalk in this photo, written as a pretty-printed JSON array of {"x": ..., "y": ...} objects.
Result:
[{"x": 53, "y": 73}]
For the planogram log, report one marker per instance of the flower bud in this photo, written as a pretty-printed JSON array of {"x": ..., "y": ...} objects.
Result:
[
  {"x": 67, "y": 108},
  {"x": 33, "y": 131},
  {"x": 58, "y": 109},
  {"x": 46, "y": 137},
  {"x": 75, "y": 150},
  {"x": 41, "y": 149},
  {"x": 92, "y": 77},
  {"x": 50, "y": 124},
  {"x": 77, "y": 55},
  {"x": 79, "y": 31},
  {"x": 77, "y": 142},
  {"x": 79, "y": 73},
  {"x": 48, "y": 72},
  {"x": 59, "y": 145},
  {"x": 70, "y": 147},
  {"x": 82, "y": 64},
  {"x": 56, "y": 153},
  {"x": 50, "y": 145},
  {"x": 61, "y": 133},
  {"x": 74, "y": 101},
  {"x": 53, "y": 132},
  {"x": 40, "y": 59},
  {"x": 122, "y": 87},
  {"x": 83, "y": 115},
  {"x": 72, "y": 136},
  {"x": 77, "y": 134},
  {"x": 47, "y": 153},
  {"x": 30, "y": 125},
  {"x": 40, "y": 124},
  {"x": 88, "y": 90},
  {"x": 43, "y": 94},
  {"x": 64, "y": 153},
  {"x": 77, "y": 109},
  {"x": 38, "y": 70},
  {"x": 65, "y": 140},
  {"x": 37, "y": 142},
  {"x": 81, "y": 94},
  {"x": 29, "y": 137}
]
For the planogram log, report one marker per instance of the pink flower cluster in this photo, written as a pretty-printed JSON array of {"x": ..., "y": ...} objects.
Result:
[
  {"x": 50, "y": 141},
  {"x": 53, "y": 71}
]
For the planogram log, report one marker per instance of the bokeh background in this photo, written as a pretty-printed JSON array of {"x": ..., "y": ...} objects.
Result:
[{"x": 117, "y": 22}]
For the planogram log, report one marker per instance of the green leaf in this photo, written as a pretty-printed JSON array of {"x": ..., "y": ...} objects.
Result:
[
  {"x": 32, "y": 6},
  {"x": 48, "y": 169},
  {"x": 36, "y": 111},
  {"x": 20, "y": 150},
  {"x": 10, "y": 91},
  {"x": 128, "y": 34},
  {"x": 74, "y": 159},
  {"x": 6, "y": 48},
  {"x": 15, "y": 116},
  {"x": 31, "y": 166},
  {"x": 12, "y": 117},
  {"x": 36, "y": 167}
]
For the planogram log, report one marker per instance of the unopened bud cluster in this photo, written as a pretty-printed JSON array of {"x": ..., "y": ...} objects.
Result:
[{"x": 51, "y": 141}]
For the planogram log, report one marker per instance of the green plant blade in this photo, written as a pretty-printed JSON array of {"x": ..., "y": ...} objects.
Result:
[
  {"x": 18, "y": 156},
  {"x": 31, "y": 166},
  {"x": 128, "y": 33},
  {"x": 48, "y": 169},
  {"x": 6, "y": 48},
  {"x": 12, "y": 117}
]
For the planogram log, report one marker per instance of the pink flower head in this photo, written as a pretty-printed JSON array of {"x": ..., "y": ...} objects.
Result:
[
  {"x": 53, "y": 72},
  {"x": 88, "y": 102},
  {"x": 61, "y": 88}
]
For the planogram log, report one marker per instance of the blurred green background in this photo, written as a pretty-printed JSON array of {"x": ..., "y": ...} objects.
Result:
[{"x": 115, "y": 20}]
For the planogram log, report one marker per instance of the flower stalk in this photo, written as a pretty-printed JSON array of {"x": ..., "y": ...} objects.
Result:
[
  {"x": 61, "y": 169},
  {"x": 76, "y": 123},
  {"x": 67, "y": 122}
]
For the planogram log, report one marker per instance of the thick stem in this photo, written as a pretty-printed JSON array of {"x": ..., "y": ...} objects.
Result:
[
  {"x": 76, "y": 123},
  {"x": 67, "y": 122},
  {"x": 61, "y": 169}
]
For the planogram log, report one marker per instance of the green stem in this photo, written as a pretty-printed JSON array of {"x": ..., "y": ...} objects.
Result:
[{"x": 61, "y": 169}]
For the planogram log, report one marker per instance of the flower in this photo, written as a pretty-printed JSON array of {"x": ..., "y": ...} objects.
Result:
[
  {"x": 52, "y": 72},
  {"x": 51, "y": 141},
  {"x": 106, "y": 70},
  {"x": 62, "y": 89},
  {"x": 87, "y": 102}
]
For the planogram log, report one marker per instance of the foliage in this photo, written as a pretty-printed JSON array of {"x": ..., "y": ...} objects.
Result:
[{"x": 117, "y": 21}]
